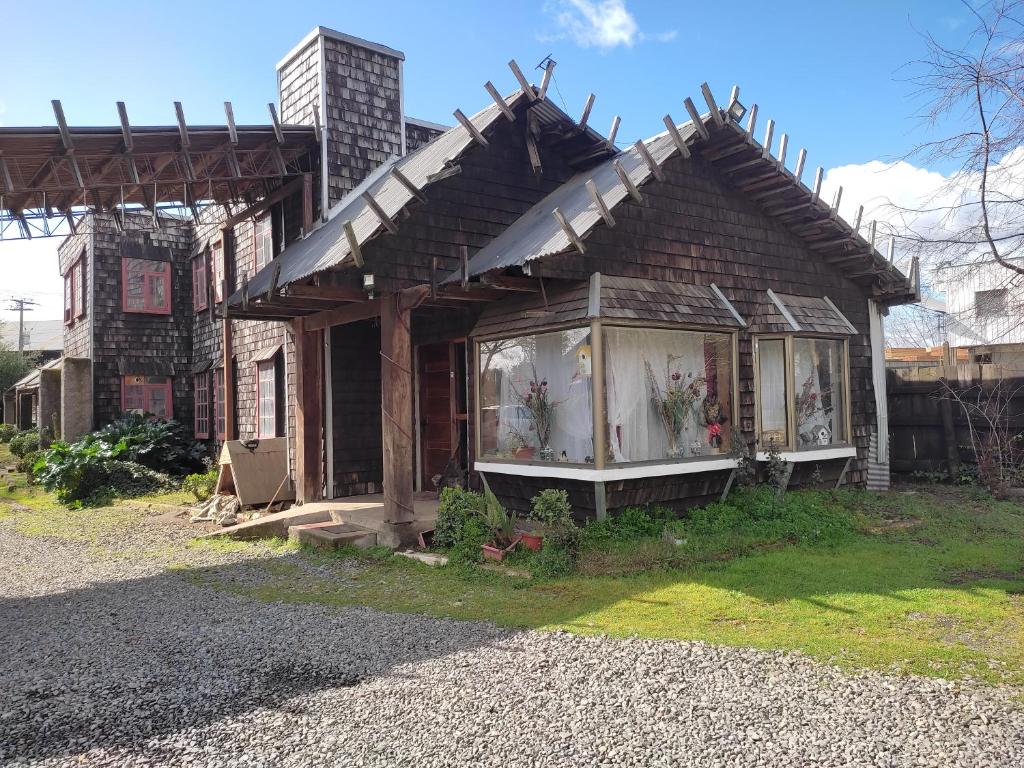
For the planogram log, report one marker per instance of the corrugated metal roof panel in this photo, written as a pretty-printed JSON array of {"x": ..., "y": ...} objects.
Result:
[{"x": 537, "y": 234}]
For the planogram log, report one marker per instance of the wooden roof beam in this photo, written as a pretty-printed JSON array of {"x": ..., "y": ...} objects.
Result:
[
  {"x": 716, "y": 113},
  {"x": 523, "y": 82},
  {"x": 695, "y": 117},
  {"x": 278, "y": 134},
  {"x": 586, "y": 111},
  {"x": 602, "y": 207},
  {"x": 570, "y": 233},
  {"x": 500, "y": 101},
  {"x": 613, "y": 131},
  {"x": 641, "y": 148},
  {"x": 677, "y": 138},
  {"x": 546, "y": 79},
  {"x": 470, "y": 128},
  {"x": 626, "y": 181}
]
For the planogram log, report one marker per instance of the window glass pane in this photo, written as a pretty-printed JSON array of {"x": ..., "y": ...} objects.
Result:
[
  {"x": 135, "y": 291},
  {"x": 218, "y": 395},
  {"x": 79, "y": 307},
  {"x": 157, "y": 292},
  {"x": 157, "y": 404},
  {"x": 264, "y": 236},
  {"x": 134, "y": 398},
  {"x": 820, "y": 403},
  {"x": 535, "y": 397},
  {"x": 771, "y": 361},
  {"x": 267, "y": 400},
  {"x": 669, "y": 393}
]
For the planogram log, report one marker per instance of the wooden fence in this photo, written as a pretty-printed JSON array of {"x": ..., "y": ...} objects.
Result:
[{"x": 929, "y": 431}]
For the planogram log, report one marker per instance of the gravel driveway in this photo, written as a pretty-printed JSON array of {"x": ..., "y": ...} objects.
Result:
[{"x": 118, "y": 661}]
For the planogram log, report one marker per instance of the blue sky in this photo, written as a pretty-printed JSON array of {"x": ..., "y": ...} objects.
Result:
[{"x": 829, "y": 73}]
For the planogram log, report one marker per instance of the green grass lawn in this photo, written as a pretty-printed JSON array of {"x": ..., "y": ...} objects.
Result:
[
  {"x": 932, "y": 583},
  {"x": 929, "y": 581}
]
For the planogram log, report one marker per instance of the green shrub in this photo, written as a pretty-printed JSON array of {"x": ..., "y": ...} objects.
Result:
[
  {"x": 7, "y": 431},
  {"x": 631, "y": 523},
  {"x": 201, "y": 485},
  {"x": 25, "y": 442},
  {"x": 27, "y": 462},
  {"x": 131, "y": 456},
  {"x": 560, "y": 552},
  {"x": 473, "y": 534},
  {"x": 454, "y": 509},
  {"x": 759, "y": 517},
  {"x": 551, "y": 507}
]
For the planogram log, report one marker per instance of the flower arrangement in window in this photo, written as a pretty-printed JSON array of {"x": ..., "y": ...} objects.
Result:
[
  {"x": 811, "y": 408},
  {"x": 541, "y": 409},
  {"x": 675, "y": 400}
]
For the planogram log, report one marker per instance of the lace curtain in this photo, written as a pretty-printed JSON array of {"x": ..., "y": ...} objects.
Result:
[
  {"x": 771, "y": 357},
  {"x": 637, "y": 361},
  {"x": 509, "y": 367},
  {"x": 820, "y": 392}
]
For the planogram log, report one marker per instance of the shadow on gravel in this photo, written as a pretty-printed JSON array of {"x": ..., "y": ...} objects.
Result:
[{"x": 109, "y": 666}]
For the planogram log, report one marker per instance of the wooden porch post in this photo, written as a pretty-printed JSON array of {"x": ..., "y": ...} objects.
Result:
[
  {"x": 396, "y": 408},
  {"x": 308, "y": 413}
]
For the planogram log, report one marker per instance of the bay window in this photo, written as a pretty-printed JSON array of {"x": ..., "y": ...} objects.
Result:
[
  {"x": 146, "y": 286},
  {"x": 665, "y": 395},
  {"x": 802, "y": 392}
]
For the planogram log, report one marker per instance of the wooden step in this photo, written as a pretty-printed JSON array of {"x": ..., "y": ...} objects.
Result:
[{"x": 331, "y": 535}]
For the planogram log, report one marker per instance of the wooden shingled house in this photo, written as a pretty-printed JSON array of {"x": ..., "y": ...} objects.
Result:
[
  {"x": 512, "y": 300},
  {"x": 522, "y": 301}
]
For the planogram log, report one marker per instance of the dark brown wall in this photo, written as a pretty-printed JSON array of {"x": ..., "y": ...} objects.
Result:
[{"x": 694, "y": 227}]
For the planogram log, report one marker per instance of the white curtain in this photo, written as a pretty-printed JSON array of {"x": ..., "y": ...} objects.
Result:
[
  {"x": 636, "y": 429},
  {"x": 771, "y": 357},
  {"x": 554, "y": 358}
]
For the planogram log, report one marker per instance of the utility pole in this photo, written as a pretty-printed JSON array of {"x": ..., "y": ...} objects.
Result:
[{"x": 21, "y": 306}]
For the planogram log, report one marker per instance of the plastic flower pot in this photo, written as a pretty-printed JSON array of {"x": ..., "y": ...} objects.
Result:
[
  {"x": 532, "y": 541},
  {"x": 496, "y": 553}
]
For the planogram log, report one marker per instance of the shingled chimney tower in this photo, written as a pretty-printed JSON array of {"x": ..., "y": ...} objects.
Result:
[{"x": 356, "y": 86}]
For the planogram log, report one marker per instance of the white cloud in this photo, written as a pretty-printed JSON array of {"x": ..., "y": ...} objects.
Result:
[{"x": 603, "y": 24}]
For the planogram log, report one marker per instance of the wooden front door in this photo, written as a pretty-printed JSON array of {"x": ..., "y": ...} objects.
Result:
[{"x": 437, "y": 422}]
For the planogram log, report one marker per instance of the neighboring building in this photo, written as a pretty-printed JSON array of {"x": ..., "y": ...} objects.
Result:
[
  {"x": 34, "y": 400},
  {"x": 398, "y": 302},
  {"x": 985, "y": 315},
  {"x": 42, "y": 338}
]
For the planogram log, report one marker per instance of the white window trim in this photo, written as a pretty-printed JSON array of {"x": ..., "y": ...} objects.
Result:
[
  {"x": 811, "y": 454},
  {"x": 606, "y": 475}
]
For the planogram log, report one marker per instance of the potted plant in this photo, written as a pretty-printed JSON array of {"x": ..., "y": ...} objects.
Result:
[
  {"x": 541, "y": 408},
  {"x": 502, "y": 528},
  {"x": 675, "y": 401},
  {"x": 551, "y": 508}
]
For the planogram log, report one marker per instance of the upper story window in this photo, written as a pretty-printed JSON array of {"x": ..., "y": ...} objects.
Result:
[
  {"x": 991, "y": 303},
  {"x": 74, "y": 291},
  {"x": 200, "y": 283},
  {"x": 802, "y": 392},
  {"x": 263, "y": 237},
  {"x": 146, "y": 285},
  {"x": 217, "y": 270},
  {"x": 147, "y": 394}
]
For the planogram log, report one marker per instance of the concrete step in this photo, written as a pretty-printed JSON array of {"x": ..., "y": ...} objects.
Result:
[
  {"x": 332, "y": 535},
  {"x": 274, "y": 524}
]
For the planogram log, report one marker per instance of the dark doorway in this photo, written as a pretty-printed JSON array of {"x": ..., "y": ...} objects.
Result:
[
  {"x": 26, "y": 411},
  {"x": 437, "y": 422}
]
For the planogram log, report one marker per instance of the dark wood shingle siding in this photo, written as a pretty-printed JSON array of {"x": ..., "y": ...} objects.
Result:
[{"x": 694, "y": 227}]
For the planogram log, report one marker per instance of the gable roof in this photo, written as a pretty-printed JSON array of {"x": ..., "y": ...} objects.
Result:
[
  {"x": 328, "y": 246},
  {"x": 738, "y": 156}
]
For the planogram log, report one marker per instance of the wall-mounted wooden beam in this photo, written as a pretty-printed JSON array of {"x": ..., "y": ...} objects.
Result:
[
  {"x": 586, "y": 111},
  {"x": 411, "y": 188},
  {"x": 602, "y": 207},
  {"x": 472, "y": 129},
  {"x": 716, "y": 114},
  {"x": 677, "y": 139},
  {"x": 353, "y": 244},
  {"x": 613, "y": 131},
  {"x": 568, "y": 230},
  {"x": 500, "y": 101},
  {"x": 646, "y": 155},
  {"x": 523, "y": 82},
  {"x": 698, "y": 123},
  {"x": 386, "y": 220},
  {"x": 444, "y": 173},
  {"x": 627, "y": 182}
]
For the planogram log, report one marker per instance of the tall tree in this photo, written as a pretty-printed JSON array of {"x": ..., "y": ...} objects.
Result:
[{"x": 13, "y": 365}]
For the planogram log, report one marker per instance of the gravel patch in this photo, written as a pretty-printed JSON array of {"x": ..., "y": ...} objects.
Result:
[{"x": 116, "y": 661}]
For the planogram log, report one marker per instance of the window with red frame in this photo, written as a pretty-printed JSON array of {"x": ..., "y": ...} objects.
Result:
[
  {"x": 147, "y": 394},
  {"x": 78, "y": 289},
  {"x": 263, "y": 234},
  {"x": 266, "y": 393},
  {"x": 200, "y": 283},
  {"x": 74, "y": 306},
  {"x": 219, "y": 413},
  {"x": 69, "y": 296},
  {"x": 146, "y": 285},
  {"x": 202, "y": 405},
  {"x": 217, "y": 269}
]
